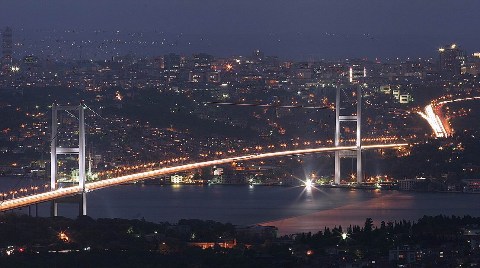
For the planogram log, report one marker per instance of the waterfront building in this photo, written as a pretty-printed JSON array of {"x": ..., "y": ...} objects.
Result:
[
  {"x": 407, "y": 185},
  {"x": 176, "y": 179},
  {"x": 471, "y": 185}
]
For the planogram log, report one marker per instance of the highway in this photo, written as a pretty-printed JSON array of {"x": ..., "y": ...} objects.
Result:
[{"x": 433, "y": 114}]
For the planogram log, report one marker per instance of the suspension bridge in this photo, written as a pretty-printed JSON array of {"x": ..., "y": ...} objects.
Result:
[{"x": 55, "y": 193}]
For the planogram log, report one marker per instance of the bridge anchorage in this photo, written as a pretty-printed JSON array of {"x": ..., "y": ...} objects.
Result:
[
  {"x": 339, "y": 118},
  {"x": 80, "y": 151}
]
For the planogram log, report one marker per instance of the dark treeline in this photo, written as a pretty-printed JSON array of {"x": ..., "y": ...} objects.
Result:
[
  {"x": 125, "y": 243},
  {"x": 105, "y": 233},
  {"x": 429, "y": 231}
]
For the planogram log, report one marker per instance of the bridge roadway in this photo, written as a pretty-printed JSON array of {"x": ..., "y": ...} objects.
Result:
[{"x": 15, "y": 203}]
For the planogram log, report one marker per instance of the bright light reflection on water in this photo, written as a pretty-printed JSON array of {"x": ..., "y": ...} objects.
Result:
[{"x": 292, "y": 209}]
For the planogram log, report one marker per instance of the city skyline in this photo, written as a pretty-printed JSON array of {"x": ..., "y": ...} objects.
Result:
[{"x": 239, "y": 133}]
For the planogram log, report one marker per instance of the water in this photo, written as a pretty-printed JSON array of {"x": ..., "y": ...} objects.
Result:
[{"x": 291, "y": 209}]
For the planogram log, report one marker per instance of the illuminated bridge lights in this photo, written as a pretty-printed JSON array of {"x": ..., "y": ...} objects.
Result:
[
  {"x": 459, "y": 99},
  {"x": 91, "y": 186}
]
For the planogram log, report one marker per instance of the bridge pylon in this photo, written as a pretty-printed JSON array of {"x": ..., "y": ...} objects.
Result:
[
  {"x": 80, "y": 151},
  {"x": 357, "y": 153}
]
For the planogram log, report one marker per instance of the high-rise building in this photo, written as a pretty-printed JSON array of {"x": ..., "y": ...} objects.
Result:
[
  {"x": 356, "y": 72},
  {"x": 202, "y": 61},
  {"x": 171, "y": 66},
  {"x": 473, "y": 64},
  {"x": 451, "y": 60},
  {"x": 7, "y": 46},
  {"x": 171, "y": 62}
]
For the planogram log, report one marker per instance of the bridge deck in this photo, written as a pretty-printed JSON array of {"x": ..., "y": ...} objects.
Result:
[{"x": 10, "y": 204}]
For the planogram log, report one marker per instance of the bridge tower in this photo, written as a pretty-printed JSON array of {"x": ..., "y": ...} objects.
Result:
[
  {"x": 80, "y": 151},
  {"x": 339, "y": 118}
]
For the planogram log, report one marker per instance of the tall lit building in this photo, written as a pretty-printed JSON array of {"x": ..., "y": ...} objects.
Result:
[
  {"x": 7, "y": 46},
  {"x": 202, "y": 61},
  {"x": 356, "y": 72},
  {"x": 171, "y": 65},
  {"x": 472, "y": 66},
  {"x": 451, "y": 60}
]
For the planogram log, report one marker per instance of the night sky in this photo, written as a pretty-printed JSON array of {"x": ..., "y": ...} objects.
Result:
[{"x": 290, "y": 28}]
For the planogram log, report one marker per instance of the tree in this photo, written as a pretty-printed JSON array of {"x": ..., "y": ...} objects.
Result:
[
  {"x": 382, "y": 226},
  {"x": 368, "y": 225}
]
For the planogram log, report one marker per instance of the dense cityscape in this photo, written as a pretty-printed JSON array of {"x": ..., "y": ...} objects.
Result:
[
  {"x": 238, "y": 98},
  {"x": 186, "y": 124}
]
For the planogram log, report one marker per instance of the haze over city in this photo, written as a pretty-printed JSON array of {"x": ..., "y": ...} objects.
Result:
[{"x": 298, "y": 30}]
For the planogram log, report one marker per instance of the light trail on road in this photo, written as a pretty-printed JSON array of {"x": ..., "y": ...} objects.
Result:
[
  {"x": 434, "y": 121},
  {"x": 9, "y": 204},
  {"x": 433, "y": 115}
]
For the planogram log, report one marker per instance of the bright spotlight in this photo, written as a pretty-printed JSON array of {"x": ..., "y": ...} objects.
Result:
[
  {"x": 308, "y": 183},
  {"x": 344, "y": 236}
]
